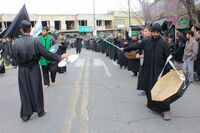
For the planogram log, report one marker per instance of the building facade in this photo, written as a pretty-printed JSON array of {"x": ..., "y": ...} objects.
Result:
[{"x": 78, "y": 23}]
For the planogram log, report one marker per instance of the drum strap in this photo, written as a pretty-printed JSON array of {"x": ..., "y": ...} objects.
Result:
[{"x": 172, "y": 64}]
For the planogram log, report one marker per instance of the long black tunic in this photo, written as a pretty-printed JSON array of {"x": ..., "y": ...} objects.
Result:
[
  {"x": 122, "y": 60},
  {"x": 78, "y": 44},
  {"x": 27, "y": 51},
  {"x": 155, "y": 56},
  {"x": 2, "y": 67},
  {"x": 140, "y": 82},
  {"x": 62, "y": 49},
  {"x": 197, "y": 61},
  {"x": 133, "y": 64}
]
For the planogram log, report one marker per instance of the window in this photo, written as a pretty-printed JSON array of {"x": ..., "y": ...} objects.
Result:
[
  {"x": 82, "y": 22},
  {"x": 44, "y": 24},
  {"x": 108, "y": 24},
  {"x": 120, "y": 21},
  {"x": 99, "y": 22},
  {"x": 33, "y": 23},
  {"x": 57, "y": 25},
  {"x": 69, "y": 25},
  {"x": 7, "y": 24}
]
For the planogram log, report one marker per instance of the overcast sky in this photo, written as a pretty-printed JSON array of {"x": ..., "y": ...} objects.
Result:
[{"x": 66, "y": 6}]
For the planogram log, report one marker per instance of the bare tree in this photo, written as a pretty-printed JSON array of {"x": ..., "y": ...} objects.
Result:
[
  {"x": 135, "y": 12},
  {"x": 145, "y": 10},
  {"x": 191, "y": 10}
]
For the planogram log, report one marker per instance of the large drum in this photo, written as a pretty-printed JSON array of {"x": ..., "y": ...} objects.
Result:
[
  {"x": 169, "y": 87},
  {"x": 130, "y": 55}
]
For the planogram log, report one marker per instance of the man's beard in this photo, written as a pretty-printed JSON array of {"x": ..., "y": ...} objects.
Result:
[{"x": 155, "y": 37}]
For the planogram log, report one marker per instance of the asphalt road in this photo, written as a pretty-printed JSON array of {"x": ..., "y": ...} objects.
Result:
[{"x": 95, "y": 96}]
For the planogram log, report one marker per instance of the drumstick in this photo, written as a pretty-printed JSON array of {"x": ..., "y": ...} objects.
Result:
[{"x": 110, "y": 43}]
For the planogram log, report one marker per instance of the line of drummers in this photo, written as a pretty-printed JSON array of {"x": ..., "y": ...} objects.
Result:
[{"x": 132, "y": 61}]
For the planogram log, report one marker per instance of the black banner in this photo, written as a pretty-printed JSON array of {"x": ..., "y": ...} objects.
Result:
[{"x": 14, "y": 29}]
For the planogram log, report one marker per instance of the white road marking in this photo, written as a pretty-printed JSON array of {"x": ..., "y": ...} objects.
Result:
[
  {"x": 84, "y": 105},
  {"x": 80, "y": 62},
  {"x": 99, "y": 62}
]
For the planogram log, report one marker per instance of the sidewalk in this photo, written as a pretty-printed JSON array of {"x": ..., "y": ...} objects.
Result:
[{"x": 8, "y": 68}]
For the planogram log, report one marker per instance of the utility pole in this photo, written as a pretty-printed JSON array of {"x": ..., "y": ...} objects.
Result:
[
  {"x": 129, "y": 13},
  {"x": 94, "y": 26}
]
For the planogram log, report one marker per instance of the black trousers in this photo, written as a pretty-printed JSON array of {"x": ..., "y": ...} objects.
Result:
[
  {"x": 62, "y": 69},
  {"x": 45, "y": 72}
]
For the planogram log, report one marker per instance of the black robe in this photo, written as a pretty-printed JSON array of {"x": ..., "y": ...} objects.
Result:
[
  {"x": 86, "y": 44},
  {"x": 102, "y": 46},
  {"x": 140, "y": 82},
  {"x": 27, "y": 52},
  {"x": 107, "y": 49},
  {"x": 2, "y": 66},
  {"x": 197, "y": 62},
  {"x": 78, "y": 44},
  {"x": 133, "y": 64},
  {"x": 62, "y": 49},
  {"x": 122, "y": 60},
  {"x": 178, "y": 48},
  {"x": 111, "y": 49},
  {"x": 155, "y": 56}
]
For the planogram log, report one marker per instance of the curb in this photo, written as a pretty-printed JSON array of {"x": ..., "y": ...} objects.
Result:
[{"x": 8, "y": 68}]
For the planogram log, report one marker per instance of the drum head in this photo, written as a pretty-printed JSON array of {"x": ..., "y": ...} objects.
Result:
[{"x": 71, "y": 59}]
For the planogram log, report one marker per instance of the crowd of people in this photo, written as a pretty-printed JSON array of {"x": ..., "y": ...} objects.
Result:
[
  {"x": 6, "y": 53},
  {"x": 183, "y": 46},
  {"x": 35, "y": 62},
  {"x": 151, "y": 49},
  {"x": 144, "y": 54}
]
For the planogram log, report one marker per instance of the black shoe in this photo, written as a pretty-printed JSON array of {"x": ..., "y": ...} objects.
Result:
[
  {"x": 135, "y": 74},
  {"x": 25, "y": 118},
  {"x": 41, "y": 114}
]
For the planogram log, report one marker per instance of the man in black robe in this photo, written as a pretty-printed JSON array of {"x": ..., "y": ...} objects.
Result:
[
  {"x": 134, "y": 64},
  {"x": 146, "y": 34},
  {"x": 78, "y": 44},
  {"x": 111, "y": 48},
  {"x": 6, "y": 51},
  {"x": 197, "y": 61},
  {"x": 27, "y": 51},
  {"x": 107, "y": 48},
  {"x": 156, "y": 52},
  {"x": 179, "y": 49},
  {"x": 62, "y": 49},
  {"x": 122, "y": 60},
  {"x": 2, "y": 66}
]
